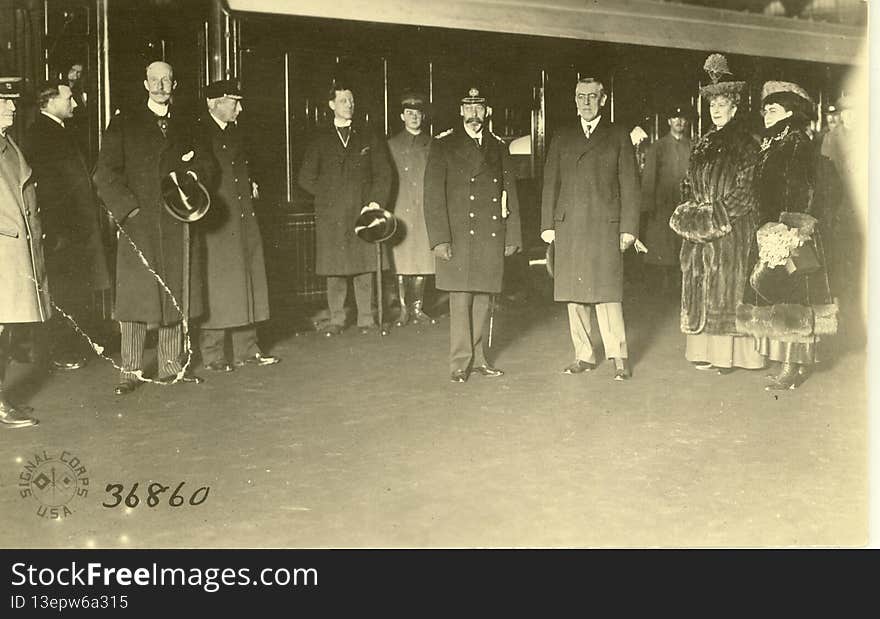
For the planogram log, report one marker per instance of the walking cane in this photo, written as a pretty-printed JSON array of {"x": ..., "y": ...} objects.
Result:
[{"x": 382, "y": 330}]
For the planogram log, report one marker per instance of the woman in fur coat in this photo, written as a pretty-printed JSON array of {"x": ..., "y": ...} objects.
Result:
[
  {"x": 717, "y": 222},
  {"x": 787, "y": 304}
]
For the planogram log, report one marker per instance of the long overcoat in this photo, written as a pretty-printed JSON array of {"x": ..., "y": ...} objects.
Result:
[
  {"x": 235, "y": 271},
  {"x": 412, "y": 253},
  {"x": 134, "y": 157},
  {"x": 590, "y": 197},
  {"x": 70, "y": 214},
  {"x": 24, "y": 288},
  {"x": 464, "y": 188},
  {"x": 344, "y": 179},
  {"x": 666, "y": 165},
  {"x": 715, "y": 273}
]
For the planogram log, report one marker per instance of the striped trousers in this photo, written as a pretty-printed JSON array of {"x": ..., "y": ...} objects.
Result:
[{"x": 168, "y": 353}]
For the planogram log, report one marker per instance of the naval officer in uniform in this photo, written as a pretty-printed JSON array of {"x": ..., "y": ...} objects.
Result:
[{"x": 472, "y": 216}]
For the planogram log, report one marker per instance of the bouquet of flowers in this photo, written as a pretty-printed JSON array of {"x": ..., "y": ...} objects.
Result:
[{"x": 776, "y": 242}]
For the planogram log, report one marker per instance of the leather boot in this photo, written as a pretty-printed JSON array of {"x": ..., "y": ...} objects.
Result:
[
  {"x": 786, "y": 379},
  {"x": 420, "y": 316},
  {"x": 403, "y": 317}
]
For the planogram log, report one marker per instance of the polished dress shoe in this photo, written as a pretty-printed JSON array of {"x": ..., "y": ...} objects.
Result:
[
  {"x": 488, "y": 370},
  {"x": 125, "y": 387},
  {"x": 622, "y": 370},
  {"x": 12, "y": 417},
  {"x": 579, "y": 367},
  {"x": 332, "y": 330},
  {"x": 367, "y": 329},
  {"x": 725, "y": 371},
  {"x": 186, "y": 378},
  {"x": 68, "y": 364},
  {"x": 258, "y": 359},
  {"x": 459, "y": 376},
  {"x": 218, "y": 366},
  {"x": 788, "y": 378}
]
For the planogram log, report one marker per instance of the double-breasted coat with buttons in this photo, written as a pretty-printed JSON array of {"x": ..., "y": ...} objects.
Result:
[
  {"x": 412, "y": 253},
  {"x": 590, "y": 197},
  {"x": 463, "y": 207},
  {"x": 24, "y": 288},
  {"x": 235, "y": 271},
  {"x": 75, "y": 256},
  {"x": 134, "y": 157},
  {"x": 344, "y": 179}
]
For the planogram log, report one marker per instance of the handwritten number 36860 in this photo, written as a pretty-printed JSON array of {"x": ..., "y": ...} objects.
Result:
[{"x": 154, "y": 495}]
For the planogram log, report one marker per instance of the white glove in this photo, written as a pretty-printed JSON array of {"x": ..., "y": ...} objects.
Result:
[
  {"x": 626, "y": 240},
  {"x": 372, "y": 206},
  {"x": 548, "y": 236}
]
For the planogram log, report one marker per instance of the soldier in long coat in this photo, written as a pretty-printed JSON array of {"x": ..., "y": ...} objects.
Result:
[
  {"x": 235, "y": 272},
  {"x": 24, "y": 289},
  {"x": 75, "y": 258},
  {"x": 139, "y": 149},
  {"x": 590, "y": 210},
  {"x": 413, "y": 259},
  {"x": 346, "y": 168},
  {"x": 472, "y": 215},
  {"x": 666, "y": 165}
]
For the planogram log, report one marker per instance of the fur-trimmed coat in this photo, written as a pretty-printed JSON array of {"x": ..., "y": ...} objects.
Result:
[
  {"x": 800, "y": 306},
  {"x": 715, "y": 273}
]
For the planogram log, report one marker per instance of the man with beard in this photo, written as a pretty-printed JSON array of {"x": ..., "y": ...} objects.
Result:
[
  {"x": 590, "y": 209},
  {"x": 139, "y": 149},
  {"x": 347, "y": 170},
  {"x": 472, "y": 215}
]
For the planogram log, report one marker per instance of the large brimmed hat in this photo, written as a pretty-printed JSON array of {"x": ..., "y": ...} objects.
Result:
[
  {"x": 775, "y": 86},
  {"x": 719, "y": 72},
  {"x": 375, "y": 225}
]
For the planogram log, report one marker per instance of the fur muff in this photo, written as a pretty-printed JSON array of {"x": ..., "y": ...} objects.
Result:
[{"x": 787, "y": 322}]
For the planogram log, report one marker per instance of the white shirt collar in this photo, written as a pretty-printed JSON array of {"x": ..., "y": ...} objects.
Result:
[
  {"x": 341, "y": 123},
  {"x": 419, "y": 132},
  {"x": 52, "y": 116},
  {"x": 591, "y": 123},
  {"x": 157, "y": 108},
  {"x": 219, "y": 122},
  {"x": 478, "y": 136}
]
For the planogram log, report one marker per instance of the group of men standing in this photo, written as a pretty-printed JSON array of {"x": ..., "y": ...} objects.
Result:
[{"x": 169, "y": 270}]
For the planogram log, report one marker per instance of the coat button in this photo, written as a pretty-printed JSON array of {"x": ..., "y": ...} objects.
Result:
[
  {"x": 472, "y": 231},
  {"x": 494, "y": 180},
  {"x": 494, "y": 216},
  {"x": 44, "y": 236},
  {"x": 242, "y": 215},
  {"x": 224, "y": 146},
  {"x": 239, "y": 197},
  {"x": 235, "y": 180},
  {"x": 473, "y": 179},
  {"x": 406, "y": 169},
  {"x": 472, "y": 215},
  {"x": 493, "y": 234},
  {"x": 494, "y": 199},
  {"x": 472, "y": 197}
]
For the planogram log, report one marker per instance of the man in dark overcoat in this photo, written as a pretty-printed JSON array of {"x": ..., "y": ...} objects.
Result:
[
  {"x": 666, "y": 165},
  {"x": 472, "y": 215},
  {"x": 139, "y": 149},
  {"x": 235, "y": 273},
  {"x": 75, "y": 258},
  {"x": 590, "y": 211},
  {"x": 24, "y": 290},
  {"x": 346, "y": 168}
]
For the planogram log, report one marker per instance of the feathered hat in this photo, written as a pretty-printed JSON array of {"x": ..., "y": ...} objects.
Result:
[
  {"x": 789, "y": 95},
  {"x": 719, "y": 73},
  {"x": 777, "y": 86}
]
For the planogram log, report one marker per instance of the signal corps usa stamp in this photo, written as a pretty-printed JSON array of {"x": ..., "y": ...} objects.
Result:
[{"x": 55, "y": 482}]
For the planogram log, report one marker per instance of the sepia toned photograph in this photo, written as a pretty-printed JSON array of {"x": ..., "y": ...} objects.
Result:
[{"x": 468, "y": 274}]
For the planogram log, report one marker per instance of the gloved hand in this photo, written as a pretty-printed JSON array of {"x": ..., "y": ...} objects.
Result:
[
  {"x": 443, "y": 251},
  {"x": 548, "y": 236},
  {"x": 509, "y": 250},
  {"x": 626, "y": 240},
  {"x": 372, "y": 206}
]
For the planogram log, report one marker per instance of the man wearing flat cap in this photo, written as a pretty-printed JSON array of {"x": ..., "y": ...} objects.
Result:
[
  {"x": 472, "y": 215},
  {"x": 140, "y": 148},
  {"x": 413, "y": 260},
  {"x": 666, "y": 164},
  {"x": 235, "y": 272},
  {"x": 24, "y": 293},
  {"x": 346, "y": 168}
]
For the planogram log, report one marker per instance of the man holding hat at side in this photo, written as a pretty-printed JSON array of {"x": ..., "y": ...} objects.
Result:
[
  {"x": 472, "y": 215},
  {"x": 413, "y": 259},
  {"x": 235, "y": 272},
  {"x": 666, "y": 164},
  {"x": 24, "y": 294}
]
